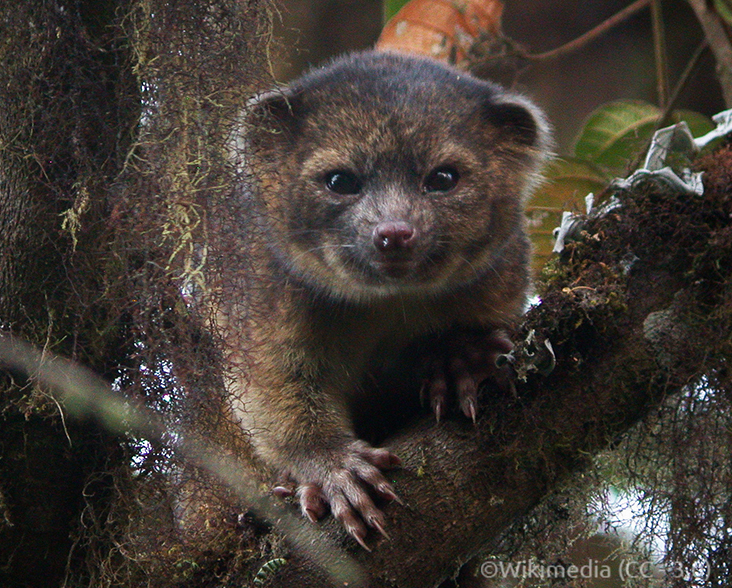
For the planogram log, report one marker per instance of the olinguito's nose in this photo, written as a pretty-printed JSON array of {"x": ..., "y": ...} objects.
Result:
[{"x": 392, "y": 236}]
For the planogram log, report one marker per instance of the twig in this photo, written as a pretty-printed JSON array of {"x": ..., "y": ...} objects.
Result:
[
  {"x": 719, "y": 43},
  {"x": 683, "y": 81},
  {"x": 659, "y": 46},
  {"x": 592, "y": 34},
  {"x": 671, "y": 104},
  {"x": 86, "y": 394}
]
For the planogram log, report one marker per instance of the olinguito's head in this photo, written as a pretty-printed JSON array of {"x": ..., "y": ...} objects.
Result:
[{"x": 383, "y": 174}]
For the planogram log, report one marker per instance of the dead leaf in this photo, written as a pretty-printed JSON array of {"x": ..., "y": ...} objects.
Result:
[{"x": 442, "y": 29}]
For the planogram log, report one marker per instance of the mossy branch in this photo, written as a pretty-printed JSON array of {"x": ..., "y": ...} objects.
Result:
[{"x": 623, "y": 341}]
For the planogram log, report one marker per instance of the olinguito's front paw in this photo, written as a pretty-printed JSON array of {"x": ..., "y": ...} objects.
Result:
[
  {"x": 345, "y": 481},
  {"x": 454, "y": 369}
]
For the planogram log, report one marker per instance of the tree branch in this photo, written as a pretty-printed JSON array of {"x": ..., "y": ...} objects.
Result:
[
  {"x": 659, "y": 46},
  {"x": 622, "y": 344},
  {"x": 719, "y": 42},
  {"x": 591, "y": 35}
]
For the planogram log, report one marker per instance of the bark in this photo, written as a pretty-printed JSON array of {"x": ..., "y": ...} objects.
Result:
[
  {"x": 98, "y": 183},
  {"x": 58, "y": 83}
]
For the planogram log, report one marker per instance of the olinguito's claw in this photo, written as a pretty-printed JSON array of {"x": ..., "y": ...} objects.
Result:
[
  {"x": 359, "y": 539},
  {"x": 438, "y": 409},
  {"x": 395, "y": 498},
  {"x": 470, "y": 410},
  {"x": 389, "y": 494},
  {"x": 282, "y": 492},
  {"x": 378, "y": 526}
]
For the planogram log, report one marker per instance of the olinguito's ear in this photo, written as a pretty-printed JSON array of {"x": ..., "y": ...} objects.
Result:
[
  {"x": 275, "y": 103},
  {"x": 271, "y": 115},
  {"x": 518, "y": 120}
]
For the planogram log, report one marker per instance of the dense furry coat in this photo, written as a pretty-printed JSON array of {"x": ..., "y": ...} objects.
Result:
[{"x": 387, "y": 236}]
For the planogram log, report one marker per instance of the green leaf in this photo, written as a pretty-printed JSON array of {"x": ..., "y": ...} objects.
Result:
[
  {"x": 616, "y": 133},
  {"x": 391, "y": 7},
  {"x": 698, "y": 123},
  {"x": 724, "y": 9},
  {"x": 568, "y": 181}
]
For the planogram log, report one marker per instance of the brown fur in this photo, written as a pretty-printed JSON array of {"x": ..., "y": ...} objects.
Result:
[{"x": 331, "y": 311}]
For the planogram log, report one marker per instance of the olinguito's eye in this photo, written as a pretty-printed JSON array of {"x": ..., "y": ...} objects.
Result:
[
  {"x": 442, "y": 179},
  {"x": 342, "y": 182}
]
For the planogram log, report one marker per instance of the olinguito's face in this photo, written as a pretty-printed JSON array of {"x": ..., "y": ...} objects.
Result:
[{"x": 389, "y": 175}]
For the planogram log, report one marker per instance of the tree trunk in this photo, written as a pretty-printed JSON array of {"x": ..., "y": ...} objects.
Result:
[
  {"x": 61, "y": 115},
  {"x": 103, "y": 109}
]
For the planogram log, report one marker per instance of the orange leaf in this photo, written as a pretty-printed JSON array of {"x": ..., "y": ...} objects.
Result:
[{"x": 441, "y": 29}]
